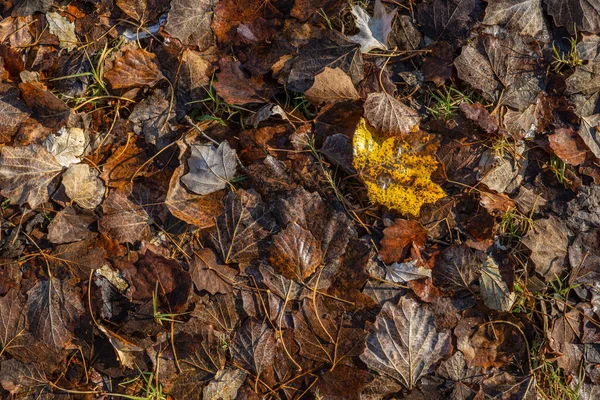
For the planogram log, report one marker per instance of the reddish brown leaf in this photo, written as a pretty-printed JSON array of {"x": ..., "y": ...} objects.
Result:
[
  {"x": 79, "y": 257},
  {"x": 567, "y": 144},
  {"x": 68, "y": 226},
  {"x": 496, "y": 204},
  {"x": 118, "y": 170},
  {"x": 12, "y": 112},
  {"x": 252, "y": 20},
  {"x": 135, "y": 68},
  {"x": 235, "y": 88},
  {"x": 123, "y": 220},
  {"x": 296, "y": 253},
  {"x": 398, "y": 239},
  {"x": 210, "y": 275}
]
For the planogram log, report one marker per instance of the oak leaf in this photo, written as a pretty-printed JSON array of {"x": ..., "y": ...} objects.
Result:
[
  {"x": 373, "y": 31},
  {"x": 397, "y": 172}
]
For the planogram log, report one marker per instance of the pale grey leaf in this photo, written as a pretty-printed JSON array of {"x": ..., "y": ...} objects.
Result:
[
  {"x": 68, "y": 146},
  {"x": 210, "y": 168},
  {"x": 373, "y": 31},
  {"x": 494, "y": 291},
  {"x": 225, "y": 385},
  {"x": 83, "y": 186},
  {"x": 189, "y": 21},
  {"x": 405, "y": 272},
  {"x": 522, "y": 16},
  {"x": 63, "y": 29}
]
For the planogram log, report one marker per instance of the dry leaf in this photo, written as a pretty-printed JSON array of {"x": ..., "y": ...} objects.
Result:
[
  {"x": 189, "y": 21},
  {"x": 135, "y": 68},
  {"x": 548, "y": 241},
  {"x": 210, "y": 168},
  {"x": 399, "y": 238},
  {"x": 331, "y": 85},
  {"x": 373, "y": 31},
  {"x": 389, "y": 116},
  {"x": 83, "y": 186},
  {"x": 296, "y": 253},
  {"x": 123, "y": 220},
  {"x": 68, "y": 226},
  {"x": 63, "y": 29},
  {"x": 68, "y": 145},
  {"x": 494, "y": 291}
]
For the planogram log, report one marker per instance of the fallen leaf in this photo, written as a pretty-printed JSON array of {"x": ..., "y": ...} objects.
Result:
[
  {"x": 12, "y": 320},
  {"x": 373, "y": 31},
  {"x": 63, "y": 29},
  {"x": 79, "y": 258},
  {"x": 24, "y": 8},
  {"x": 399, "y": 238},
  {"x": 122, "y": 347},
  {"x": 389, "y": 116},
  {"x": 27, "y": 174},
  {"x": 296, "y": 253},
  {"x": 210, "y": 275},
  {"x": 68, "y": 145},
  {"x": 218, "y": 311},
  {"x": 155, "y": 118},
  {"x": 13, "y": 112},
  {"x": 68, "y": 226},
  {"x": 83, "y": 186},
  {"x": 53, "y": 310},
  {"x": 548, "y": 241},
  {"x": 123, "y": 220},
  {"x": 524, "y": 17},
  {"x": 494, "y": 291},
  {"x": 331, "y": 86},
  {"x": 338, "y": 150},
  {"x": 189, "y": 21},
  {"x": 235, "y": 87},
  {"x": 449, "y": 20},
  {"x": 48, "y": 109},
  {"x": 248, "y": 20},
  {"x": 406, "y": 272},
  {"x": 123, "y": 163},
  {"x": 225, "y": 385},
  {"x": 190, "y": 207},
  {"x": 404, "y": 343},
  {"x": 397, "y": 172},
  {"x": 253, "y": 347},
  {"x": 504, "y": 172},
  {"x": 142, "y": 10},
  {"x": 135, "y": 68},
  {"x": 574, "y": 15},
  {"x": 568, "y": 146},
  {"x": 210, "y": 168}
]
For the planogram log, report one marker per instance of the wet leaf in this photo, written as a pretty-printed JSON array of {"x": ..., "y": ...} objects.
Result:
[
  {"x": 404, "y": 343},
  {"x": 397, "y": 172},
  {"x": 26, "y": 174},
  {"x": 331, "y": 86},
  {"x": 135, "y": 68},
  {"x": 373, "y": 31},
  {"x": 210, "y": 168},
  {"x": 296, "y": 253},
  {"x": 389, "y": 116},
  {"x": 189, "y": 21},
  {"x": 68, "y": 145},
  {"x": 63, "y": 29},
  {"x": 494, "y": 291},
  {"x": 83, "y": 186},
  {"x": 194, "y": 209},
  {"x": 123, "y": 220},
  {"x": 53, "y": 310}
]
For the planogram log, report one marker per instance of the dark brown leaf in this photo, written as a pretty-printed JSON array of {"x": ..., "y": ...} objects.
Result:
[
  {"x": 548, "y": 241},
  {"x": 575, "y": 15},
  {"x": 296, "y": 253},
  {"x": 12, "y": 112},
  {"x": 79, "y": 257},
  {"x": 254, "y": 347},
  {"x": 236, "y": 88},
  {"x": 48, "y": 109},
  {"x": 208, "y": 274}
]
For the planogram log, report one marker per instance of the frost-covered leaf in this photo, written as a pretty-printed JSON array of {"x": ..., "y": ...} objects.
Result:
[
  {"x": 26, "y": 174},
  {"x": 63, "y": 29},
  {"x": 494, "y": 291},
  {"x": 405, "y": 272},
  {"x": 404, "y": 343},
  {"x": 53, "y": 310},
  {"x": 296, "y": 253},
  {"x": 68, "y": 145},
  {"x": 123, "y": 220},
  {"x": 189, "y": 21},
  {"x": 331, "y": 85},
  {"x": 225, "y": 385},
  {"x": 373, "y": 31},
  {"x": 254, "y": 346},
  {"x": 210, "y": 168},
  {"x": 575, "y": 15},
  {"x": 397, "y": 172},
  {"x": 389, "y": 116},
  {"x": 504, "y": 69},
  {"x": 588, "y": 109},
  {"x": 521, "y": 16},
  {"x": 83, "y": 186}
]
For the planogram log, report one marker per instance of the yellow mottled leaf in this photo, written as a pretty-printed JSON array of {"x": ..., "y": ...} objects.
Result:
[{"x": 397, "y": 172}]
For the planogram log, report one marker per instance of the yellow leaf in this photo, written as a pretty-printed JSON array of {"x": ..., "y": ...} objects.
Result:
[{"x": 397, "y": 172}]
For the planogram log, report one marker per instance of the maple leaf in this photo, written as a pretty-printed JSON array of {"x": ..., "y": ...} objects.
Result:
[
  {"x": 397, "y": 172},
  {"x": 373, "y": 31}
]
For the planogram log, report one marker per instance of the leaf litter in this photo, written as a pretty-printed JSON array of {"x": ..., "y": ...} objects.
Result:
[{"x": 248, "y": 199}]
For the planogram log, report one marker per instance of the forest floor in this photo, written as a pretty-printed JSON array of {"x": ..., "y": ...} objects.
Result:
[{"x": 299, "y": 199}]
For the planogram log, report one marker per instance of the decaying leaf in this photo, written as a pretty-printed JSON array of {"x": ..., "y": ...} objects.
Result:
[
  {"x": 449, "y": 20},
  {"x": 26, "y": 174},
  {"x": 503, "y": 172},
  {"x": 397, "y": 172},
  {"x": 190, "y": 207},
  {"x": 373, "y": 31},
  {"x": 548, "y": 241},
  {"x": 189, "y": 21},
  {"x": 389, "y": 116},
  {"x": 575, "y": 15},
  {"x": 123, "y": 220},
  {"x": 123, "y": 163},
  {"x": 122, "y": 347},
  {"x": 210, "y": 275},
  {"x": 254, "y": 346},
  {"x": 211, "y": 168},
  {"x": 296, "y": 253},
  {"x": 568, "y": 146},
  {"x": 155, "y": 118},
  {"x": 12, "y": 320},
  {"x": 404, "y": 343},
  {"x": 225, "y": 385},
  {"x": 522, "y": 16},
  {"x": 63, "y": 29},
  {"x": 406, "y": 272},
  {"x": 13, "y": 112},
  {"x": 135, "y": 68},
  {"x": 399, "y": 238},
  {"x": 83, "y": 186},
  {"x": 68, "y": 226},
  {"x": 331, "y": 85},
  {"x": 68, "y": 145},
  {"x": 494, "y": 291},
  {"x": 48, "y": 109}
]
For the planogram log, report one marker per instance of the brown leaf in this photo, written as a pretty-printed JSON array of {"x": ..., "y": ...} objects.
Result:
[
  {"x": 123, "y": 220},
  {"x": 296, "y": 253},
  {"x": 548, "y": 241},
  {"x": 68, "y": 226},
  {"x": 480, "y": 116},
  {"x": 404, "y": 342},
  {"x": 496, "y": 204},
  {"x": 254, "y": 347},
  {"x": 12, "y": 320},
  {"x": 27, "y": 174},
  {"x": 189, "y": 21},
  {"x": 331, "y": 86},
  {"x": 51, "y": 111},
  {"x": 135, "y": 68},
  {"x": 208, "y": 274},
  {"x": 190, "y": 207},
  {"x": 250, "y": 20},
  {"x": 83, "y": 186},
  {"x": 124, "y": 161},
  {"x": 79, "y": 257},
  {"x": 437, "y": 67},
  {"x": 53, "y": 311},
  {"x": 235, "y": 88},
  {"x": 568, "y": 146},
  {"x": 389, "y": 116},
  {"x": 142, "y": 10},
  {"x": 345, "y": 381},
  {"x": 218, "y": 311},
  {"x": 12, "y": 112},
  {"x": 398, "y": 239},
  {"x": 456, "y": 269}
]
